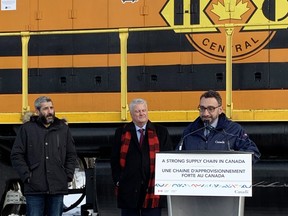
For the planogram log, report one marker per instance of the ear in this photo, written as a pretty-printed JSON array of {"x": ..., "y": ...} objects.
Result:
[{"x": 37, "y": 111}]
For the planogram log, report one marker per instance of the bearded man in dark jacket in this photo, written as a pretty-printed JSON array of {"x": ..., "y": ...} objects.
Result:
[
  {"x": 212, "y": 130},
  {"x": 44, "y": 156},
  {"x": 133, "y": 162}
]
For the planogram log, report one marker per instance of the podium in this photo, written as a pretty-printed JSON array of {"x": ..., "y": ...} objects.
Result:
[
  {"x": 205, "y": 183},
  {"x": 205, "y": 206}
]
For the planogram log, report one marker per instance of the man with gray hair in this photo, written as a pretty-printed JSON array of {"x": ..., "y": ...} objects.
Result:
[
  {"x": 44, "y": 156},
  {"x": 133, "y": 162}
]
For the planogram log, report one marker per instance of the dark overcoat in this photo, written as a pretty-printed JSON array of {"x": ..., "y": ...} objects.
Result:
[
  {"x": 45, "y": 156},
  {"x": 136, "y": 173}
]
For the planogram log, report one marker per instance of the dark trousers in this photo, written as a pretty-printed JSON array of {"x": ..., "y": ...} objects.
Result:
[
  {"x": 40, "y": 205},
  {"x": 141, "y": 212}
]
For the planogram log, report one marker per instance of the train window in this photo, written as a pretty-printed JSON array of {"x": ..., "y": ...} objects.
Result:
[
  {"x": 98, "y": 80},
  {"x": 154, "y": 78},
  {"x": 219, "y": 77},
  {"x": 258, "y": 76},
  {"x": 63, "y": 80}
]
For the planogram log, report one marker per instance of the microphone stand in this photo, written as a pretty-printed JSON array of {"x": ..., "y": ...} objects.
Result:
[{"x": 206, "y": 125}]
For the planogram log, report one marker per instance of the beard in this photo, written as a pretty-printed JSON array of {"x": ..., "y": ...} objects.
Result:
[{"x": 49, "y": 119}]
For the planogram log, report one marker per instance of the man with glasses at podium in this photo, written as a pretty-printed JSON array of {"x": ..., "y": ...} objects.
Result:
[{"x": 212, "y": 130}]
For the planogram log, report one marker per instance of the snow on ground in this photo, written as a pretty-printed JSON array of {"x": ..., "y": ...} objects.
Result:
[
  {"x": 69, "y": 200},
  {"x": 78, "y": 182}
]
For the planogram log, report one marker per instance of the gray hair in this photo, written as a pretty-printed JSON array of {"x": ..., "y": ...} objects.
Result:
[
  {"x": 41, "y": 100},
  {"x": 136, "y": 101}
]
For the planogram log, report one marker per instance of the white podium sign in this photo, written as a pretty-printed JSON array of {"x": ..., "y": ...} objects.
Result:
[{"x": 204, "y": 174}]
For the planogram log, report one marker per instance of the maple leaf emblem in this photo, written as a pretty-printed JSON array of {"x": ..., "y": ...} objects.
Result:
[{"x": 232, "y": 12}]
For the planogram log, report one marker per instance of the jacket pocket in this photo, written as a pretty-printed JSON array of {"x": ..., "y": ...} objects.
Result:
[{"x": 33, "y": 166}]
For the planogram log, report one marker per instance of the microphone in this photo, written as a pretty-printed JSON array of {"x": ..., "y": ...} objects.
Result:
[{"x": 206, "y": 124}]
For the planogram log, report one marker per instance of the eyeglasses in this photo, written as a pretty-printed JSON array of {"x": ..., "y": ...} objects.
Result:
[{"x": 210, "y": 109}]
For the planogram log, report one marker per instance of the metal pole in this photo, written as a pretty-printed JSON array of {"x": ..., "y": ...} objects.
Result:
[
  {"x": 169, "y": 205},
  {"x": 229, "y": 105},
  {"x": 25, "y": 36},
  {"x": 241, "y": 206},
  {"x": 123, "y": 35}
]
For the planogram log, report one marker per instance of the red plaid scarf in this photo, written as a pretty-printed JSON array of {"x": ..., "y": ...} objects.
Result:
[{"x": 150, "y": 199}]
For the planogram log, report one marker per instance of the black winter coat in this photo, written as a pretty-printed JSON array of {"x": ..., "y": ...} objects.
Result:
[
  {"x": 136, "y": 172},
  {"x": 45, "y": 156}
]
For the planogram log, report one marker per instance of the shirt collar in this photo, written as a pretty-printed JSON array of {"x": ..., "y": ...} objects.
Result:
[
  {"x": 214, "y": 124},
  {"x": 137, "y": 128}
]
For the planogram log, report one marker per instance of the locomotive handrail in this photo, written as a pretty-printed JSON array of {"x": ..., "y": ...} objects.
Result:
[{"x": 138, "y": 29}]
